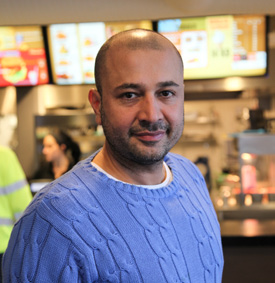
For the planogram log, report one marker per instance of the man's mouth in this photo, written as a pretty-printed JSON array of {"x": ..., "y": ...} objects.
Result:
[{"x": 148, "y": 136}]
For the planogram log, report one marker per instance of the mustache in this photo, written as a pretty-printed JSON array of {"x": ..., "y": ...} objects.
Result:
[{"x": 151, "y": 127}]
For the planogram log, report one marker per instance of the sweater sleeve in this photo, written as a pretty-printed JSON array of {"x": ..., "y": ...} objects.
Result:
[{"x": 41, "y": 253}]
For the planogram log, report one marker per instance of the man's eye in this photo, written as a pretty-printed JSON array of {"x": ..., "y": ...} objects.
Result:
[
  {"x": 129, "y": 95},
  {"x": 166, "y": 93}
]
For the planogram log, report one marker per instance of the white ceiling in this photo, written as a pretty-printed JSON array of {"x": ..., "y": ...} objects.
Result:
[{"x": 43, "y": 12}]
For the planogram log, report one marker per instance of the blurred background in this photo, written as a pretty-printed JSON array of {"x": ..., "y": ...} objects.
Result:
[{"x": 47, "y": 52}]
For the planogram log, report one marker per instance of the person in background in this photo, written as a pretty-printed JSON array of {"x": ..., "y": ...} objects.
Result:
[
  {"x": 61, "y": 154},
  {"x": 15, "y": 195},
  {"x": 132, "y": 211}
]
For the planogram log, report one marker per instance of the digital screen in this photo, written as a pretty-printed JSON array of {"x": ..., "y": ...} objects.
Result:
[
  {"x": 22, "y": 56},
  {"x": 219, "y": 46},
  {"x": 73, "y": 48}
]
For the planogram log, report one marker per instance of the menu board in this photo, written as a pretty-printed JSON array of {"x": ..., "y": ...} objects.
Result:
[
  {"x": 22, "y": 56},
  {"x": 219, "y": 46},
  {"x": 73, "y": 48},
  {"x": 115, "y": 27}
]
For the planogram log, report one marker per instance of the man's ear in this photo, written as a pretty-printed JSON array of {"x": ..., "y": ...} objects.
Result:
[{"x": 95, "y": 101}]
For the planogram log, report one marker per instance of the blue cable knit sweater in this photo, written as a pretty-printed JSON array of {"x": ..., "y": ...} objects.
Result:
[{"x": 86, "y": 227}]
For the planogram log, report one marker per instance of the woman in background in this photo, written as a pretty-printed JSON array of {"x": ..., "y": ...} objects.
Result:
[{"x": 61, "y": 154}]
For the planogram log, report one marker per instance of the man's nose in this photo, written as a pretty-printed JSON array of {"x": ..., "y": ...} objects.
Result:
[{"x": 150, "y": 109}]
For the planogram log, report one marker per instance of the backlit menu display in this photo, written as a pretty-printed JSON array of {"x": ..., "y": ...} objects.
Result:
[
  {"x": 22, "y": 56},
  {"x": 219, "y": 46},
  {"x": 73, "y": 48}
]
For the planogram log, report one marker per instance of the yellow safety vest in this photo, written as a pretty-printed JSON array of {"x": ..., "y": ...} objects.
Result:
[{"x": 15, "y": 194}]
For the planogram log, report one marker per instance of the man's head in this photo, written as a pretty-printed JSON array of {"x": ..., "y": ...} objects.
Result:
[
  {"x": 133, "y": 40},
  {"x": 139, "y": 102}
]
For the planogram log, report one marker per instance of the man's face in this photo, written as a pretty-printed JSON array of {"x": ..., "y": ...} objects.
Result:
[{"x": 142, "y": 103}]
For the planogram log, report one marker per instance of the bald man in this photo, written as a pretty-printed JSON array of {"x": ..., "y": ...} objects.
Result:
[{"x": 132, "y": 211}]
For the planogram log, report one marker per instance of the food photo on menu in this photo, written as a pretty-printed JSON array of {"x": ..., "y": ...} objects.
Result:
[{"x": 22, "y": 56}]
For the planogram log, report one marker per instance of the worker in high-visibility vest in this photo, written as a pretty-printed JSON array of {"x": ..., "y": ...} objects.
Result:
[{"x": 15, "y": 195}]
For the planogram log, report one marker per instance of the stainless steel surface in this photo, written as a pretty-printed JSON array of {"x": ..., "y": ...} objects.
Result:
[
  {"x": 256, "y": 211},
  {"x": 54, "y": 97},
  {"x": 69, "y": 120},
  {"x": 257, "y": 143},
  {"x": 247, "y": 228}
]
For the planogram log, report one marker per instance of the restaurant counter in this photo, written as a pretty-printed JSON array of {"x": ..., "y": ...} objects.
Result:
[{"x": 249, "y": 250}]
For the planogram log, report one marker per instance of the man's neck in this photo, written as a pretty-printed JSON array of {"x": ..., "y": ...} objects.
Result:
[{"x": 130, "y": 172}]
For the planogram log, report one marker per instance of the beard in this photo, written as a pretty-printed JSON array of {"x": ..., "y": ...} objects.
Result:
[{"x": 126, "y": 147}]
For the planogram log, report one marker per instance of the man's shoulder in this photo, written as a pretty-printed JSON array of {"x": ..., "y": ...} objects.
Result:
[
  {"x": 178, "y": 159},
  {"x": 182, "y": 164},
  {"x": 62, "y": 196}
]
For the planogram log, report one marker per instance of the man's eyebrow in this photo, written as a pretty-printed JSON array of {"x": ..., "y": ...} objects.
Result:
[
  {"x": 167, "y": 83},
  {"x": 139, "y": 86},
  {"x": 128, "y": 85}
]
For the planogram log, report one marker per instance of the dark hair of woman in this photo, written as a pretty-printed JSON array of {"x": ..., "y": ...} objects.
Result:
[
  {"x": 71, "y": 146},
  {"x": 60, "y": 152}
]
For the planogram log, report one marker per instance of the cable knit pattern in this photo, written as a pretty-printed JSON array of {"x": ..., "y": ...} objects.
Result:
[{"x": 86, "y": 227}]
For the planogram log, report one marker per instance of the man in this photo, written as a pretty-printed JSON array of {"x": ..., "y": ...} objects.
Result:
[
  {"x": 131, "y": 212},
  {"x": 15, "y": 195}
]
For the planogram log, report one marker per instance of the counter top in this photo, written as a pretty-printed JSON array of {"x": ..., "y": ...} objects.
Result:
[
  {"x": 249, "y": 250},
  {"x": 248, "y": 228}
]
